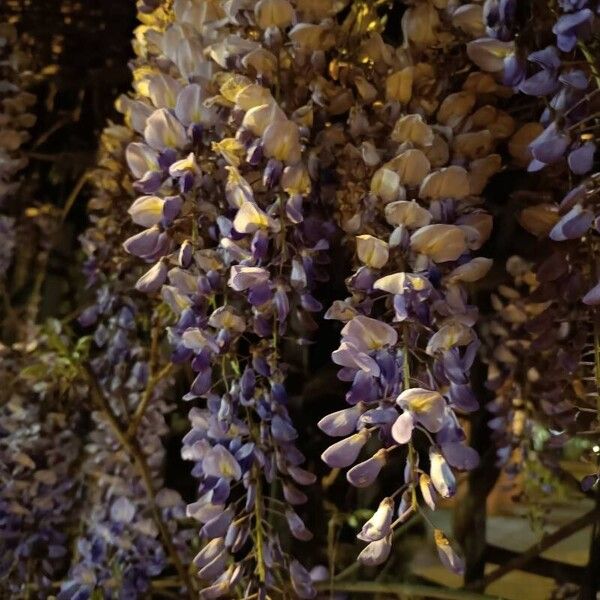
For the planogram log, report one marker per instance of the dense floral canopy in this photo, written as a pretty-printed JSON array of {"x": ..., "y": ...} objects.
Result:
[{"x": 338, "y": 269}]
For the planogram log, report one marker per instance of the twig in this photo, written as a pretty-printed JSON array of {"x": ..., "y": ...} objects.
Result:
[
  {"x": 136, "y": 453},
  {"x": 355, "y": 566},
  {"x": 134, "y": 423},
  {"x": 546, "y": 542},
  {"x": 407, "y": 589},
  {"x": 70, "y": 201}
]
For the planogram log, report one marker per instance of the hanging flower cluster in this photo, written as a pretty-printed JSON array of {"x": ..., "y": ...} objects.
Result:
[
  {"x": 415, "y": 164},
  {"x": 39, "y": 450},
  {"x": 133, "y": 528},
  {"x": 15, "y": 120},
  {"x": 510, "y": 357},
  {"x": 259, "y": 139},
  {"x": 233, "y": 230}
]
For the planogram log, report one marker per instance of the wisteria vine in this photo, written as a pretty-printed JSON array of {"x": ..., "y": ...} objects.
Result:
[{"x": 283, "y": 169}]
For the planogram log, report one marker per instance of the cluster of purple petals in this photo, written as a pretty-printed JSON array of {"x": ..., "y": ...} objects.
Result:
[
  {"x": 545, "y": 74},
  {"x": 15, "y": 120},
  {"x": 236, "y": 247},
  {"x": 562, "y": 77},
  {"x": 120, "y": 550},
  {"x": 38, "y": 460},
  {"x": 408, "y": 341}
]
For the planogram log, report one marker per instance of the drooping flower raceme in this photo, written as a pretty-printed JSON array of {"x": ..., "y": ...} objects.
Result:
[
  {"x": 39, "y": 451},
  {"x": 408, "y": 341},
  {"x": 132, "y": 524},
  {"x": 236, "y": 246},
  {"x": 15, "y": 120}
]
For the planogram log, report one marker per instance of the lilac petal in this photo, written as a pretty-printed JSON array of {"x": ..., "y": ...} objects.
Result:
[
  {"x": 219, "y": 462},
  {"x": 209, "y": 553},
  {"x": 282, "y": 304},
  {"x": 376, "y": 553},
  {"x": 572, "y": 27},
  {"x": 122, "y": 510},
  {"x": 293, "y": 209},
  {"x": 592, "y": 298},
  {"x": 576, "y": 79},
  {"x": 363, "y": 389},
  {"x": 282, "y": 429},
  {"x": 218, "y": 526},
  {"x": 248, "y": 383},
  {"x": 259, "y": 294},
  {"x": 433, "y": 419},
  {"x": 536, "y": 165},
  {"x": 152, "y": 280},
  {"x": 462, "y": 397},
  {"x": 427, "y": 490},
  {"x": 489, "y": 54},
  {"x": 301, "y": 581},
  {"x": 577, "y": 194},
  {"x": 171, "y": 208},
  {"x": 242, "y": 278},
  {"x": 460, "y": 456},
  {"x": 310, "y": 303},
  {"x": 550, "y": 146},
  {"x": 547, "y": 58},
  {"x": 297, "y": 527},
  {"x": 347, "y": 355},
  {"x": 573, "y": 225},
  {"x": 293, "y": 495},
  {"x": 403, "y": 427},
  {"x": 89, "y": 316},
  {"x": 163, "y": 131},
  {"x": 514, "y": 70},
  {"x": 365, "y": 473},
  {"x": 589, "y": 481},
  {"x": 214, "y": 568},
  {"x": 577, "y": 227},
  {"x": 301, "y": 476},
  {"x": 144, "y": 243},
  {"x": 379, "y": 525},
  {"x": 450, "y": 558},
  {"x": 379, "y": 416},
  {"x": 342, "y": 422},
  {"x": 581, "y": 160},
  {"x": 346, "y": 451},
  {"x": 427, "y": 407},
  {"x": 543, "y": 83},
  {"x": 441, "y": 475},
  {"x": 201, "y": 385}
]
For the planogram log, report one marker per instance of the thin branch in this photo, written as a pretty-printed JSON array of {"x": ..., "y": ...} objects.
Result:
[
  {"x": 136, "y": 419},
  {"x": 546, "y": 542},
  {"x": 355, "y": 566},
  {"x": 70, "y": 201},
  {"x": 406, "y": 589},
  {"x": 136, "y": 453}
]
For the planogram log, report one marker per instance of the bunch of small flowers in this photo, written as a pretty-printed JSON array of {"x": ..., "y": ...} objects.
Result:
[
  {"x": 39, "y": 454},
  {"x": 233, "y": 225},
  {"x": 507, "y": 350},
  {"x": 126, "y": 511},
  {"x": 556, "y": 73},
  {"x": 133, "y": 524},
  {"x": 419, "y": 152},
  {"x": 15, "y": 120},
  {"x": 134, "y": 528},
  {"x": 39, "y": 459},
  {"x": 562, "y": 146}
]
